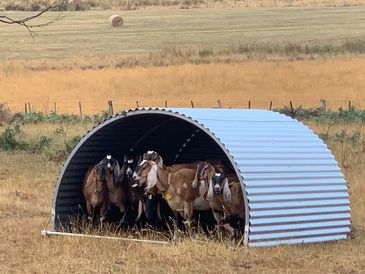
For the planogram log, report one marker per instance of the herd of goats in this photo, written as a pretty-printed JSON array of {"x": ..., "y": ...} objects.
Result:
[{"x": 139, "y": 188}]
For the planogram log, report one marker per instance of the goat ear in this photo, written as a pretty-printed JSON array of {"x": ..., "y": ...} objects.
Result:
[
  {"x": 210, "y": 191},
  {"x": 118, "y": 176},
  {"x": 226, "y": 191},
  {"x": 139, "y": 160},
  {"x": 102, "y": 162},
  {"x": 152, "y": 177},
  {"x": 159, "y": 161},
  {"x": 198, "y": 174}
]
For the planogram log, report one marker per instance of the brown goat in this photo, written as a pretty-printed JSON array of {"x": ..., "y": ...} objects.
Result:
[
  {"x": 154, "y": 156},
  {"x": 224, "y": 196},
  {"x": 176, "y": 187},
  {"x": 114, "y": 178},
  {"x": 95, "y": 191}
]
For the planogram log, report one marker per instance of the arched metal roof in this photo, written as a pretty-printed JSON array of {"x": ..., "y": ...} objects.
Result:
[{"x": 293, "y": 188}]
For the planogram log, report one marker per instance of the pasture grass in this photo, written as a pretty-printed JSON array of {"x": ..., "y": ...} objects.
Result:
[
  {"x": 304, "y": 82},
  {"x": 28, "y": 181},
  {"x": 197, "y": 33}
]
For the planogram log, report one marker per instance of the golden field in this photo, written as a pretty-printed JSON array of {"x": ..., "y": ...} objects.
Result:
[
  {"x": 305, "y": 82},
  {"x": 28, "y": 180}
]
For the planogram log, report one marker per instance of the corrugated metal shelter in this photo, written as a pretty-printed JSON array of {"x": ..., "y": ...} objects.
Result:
[{"x": 292, "y": 186}]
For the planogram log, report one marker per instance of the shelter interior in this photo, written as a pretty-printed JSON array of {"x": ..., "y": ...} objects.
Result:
[{"x": 175, "y": 139}]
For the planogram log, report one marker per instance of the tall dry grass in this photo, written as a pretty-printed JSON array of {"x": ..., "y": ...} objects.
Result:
[
  {"x": 27, "y": 182},
  {"x": 304, "y": 82}
]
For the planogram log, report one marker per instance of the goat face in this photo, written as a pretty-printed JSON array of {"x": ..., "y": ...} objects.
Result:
[
  {"x": 219, "y": 185},
  {"x": 128, "y": 165},
  {"x": 111, "y": 165},
  {"x": 153, "y": 156},
  {"x": 218, "y": 181},
  {"x": 109, "y": 162},
  {"x": 100, "y": 177},
  {"x": 143, "y": 172}
]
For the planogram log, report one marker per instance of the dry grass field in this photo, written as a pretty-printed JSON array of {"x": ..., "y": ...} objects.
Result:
[
  {"x": 304, "y": 82},
  {"x": 28, "y": 180},
  {"x": 152, "y": 30}
]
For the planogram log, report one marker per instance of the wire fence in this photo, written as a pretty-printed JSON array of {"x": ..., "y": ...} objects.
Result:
[{"x": 99, "y": 106}]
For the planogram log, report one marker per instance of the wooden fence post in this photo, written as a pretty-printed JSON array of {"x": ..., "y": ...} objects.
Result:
[
  {"x": 110, "y": 108},
  {"x": 192, "y": 104},
  {"x": 291, "y": 108},
  {"x": 219, "y": 105},
  {"x": 249, "y": 104},
  {"x": 29, "y": 108},
  {"x": 165, "y": 104},
  {"x": 137, "y": 104},
  {"x": 270, "y": 105},
  {"x": 322, "y": 104},
  {"x": 350, "y": 105},
  {"x": 25, "y": 108},
  {"x": 80, "y": 109},
  {"x": 55, "y": 107}
]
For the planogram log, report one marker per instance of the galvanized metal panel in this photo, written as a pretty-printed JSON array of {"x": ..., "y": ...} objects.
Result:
[{"x": 291, "y": 182}]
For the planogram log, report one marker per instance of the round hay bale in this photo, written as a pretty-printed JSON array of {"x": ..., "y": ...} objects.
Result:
[{"x": 116, "y": 21}]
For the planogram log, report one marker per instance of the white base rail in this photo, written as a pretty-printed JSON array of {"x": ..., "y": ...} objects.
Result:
[{"x": 54, "y": 233}]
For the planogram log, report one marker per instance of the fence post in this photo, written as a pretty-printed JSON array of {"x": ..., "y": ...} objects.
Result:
[
  {"x": 110, "y": 108},
  {"x": 55, "y": 107},
  {"x": 192, "y": 104},
  {"x": 137, "y": 104},
  {"x": 25, "y": 108},
  {"x": 219, "y": 105},
  {"x": 29, "y": 108},
  {"x": 322, "y": 104},
  {"x": 350, "y": 105},
  {"x": 270, "y": 105},
  {"x": 249, "y": 104},
  {"x": 165, "y": 104},
  {"x": 80, "y": 108},
  {"x": 291, "y": 108}
]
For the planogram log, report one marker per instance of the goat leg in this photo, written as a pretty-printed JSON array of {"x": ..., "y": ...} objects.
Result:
[
  {"x": 188, "y": 215},
  {"x": 140, "y": 210},
  {"x": 103, "y": 211},
  {"x": 230, "y": 229},
  {"x": 159, "y": 210},
  {"x": 89, "y": 210}
]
